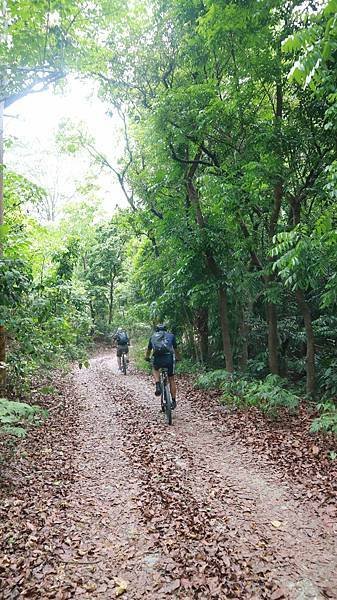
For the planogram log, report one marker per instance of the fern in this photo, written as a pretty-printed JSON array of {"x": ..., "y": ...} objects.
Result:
[
  {"x": 213, "y": 379},
  {"x": 327, "y": 421},
  {"x": 268, "y": 395},
  {"x": 15, "y": 416}
]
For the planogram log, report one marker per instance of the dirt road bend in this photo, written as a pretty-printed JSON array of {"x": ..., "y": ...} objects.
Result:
[{"x": 182, "y": 511}]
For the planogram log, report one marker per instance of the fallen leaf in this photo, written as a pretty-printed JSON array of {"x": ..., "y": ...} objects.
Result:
[
  {"x": 90, "y": 586},
  {"x": 276, "y": 524},
  {"x": 277, "y": 594},
  {"x": 121, "y": 586},
  {"x": 171, "y": 587}
]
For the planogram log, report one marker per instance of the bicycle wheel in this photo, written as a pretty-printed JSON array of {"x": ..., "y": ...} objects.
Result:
[
  {"x": 123, "y": 364},
  {"x": 168, "y": 405}
]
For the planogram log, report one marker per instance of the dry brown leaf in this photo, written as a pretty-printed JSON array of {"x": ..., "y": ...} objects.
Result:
[
  {"x": 121, "y": 586},
  {"x": 277, "y": 594},
  {"x": 276, "y": 524}
]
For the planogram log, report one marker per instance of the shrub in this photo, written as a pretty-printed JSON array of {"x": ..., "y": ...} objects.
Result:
[
  {"x": 327, "y": 378},
  {"x": 269, "y": 394},
  {"x": 15, "y": 416},
  {"x": 327, "y": 421},
  {"x": 213, "y": 380},
  {"x": 187, "y": 365}
]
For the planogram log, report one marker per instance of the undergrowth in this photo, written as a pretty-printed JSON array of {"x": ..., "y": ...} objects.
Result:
[
  {"x": 327, "y": 420},
  {"x": 269, "y": 394},
  {"x": 15, "y": 417}
]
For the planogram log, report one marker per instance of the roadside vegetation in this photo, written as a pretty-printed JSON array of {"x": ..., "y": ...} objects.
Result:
[{"x": 229, "y": 116}]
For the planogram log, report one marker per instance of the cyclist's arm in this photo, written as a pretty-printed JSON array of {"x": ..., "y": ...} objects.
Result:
[
  {"x": 176, "y": 350},
  {"x": 148, "y": 351}
]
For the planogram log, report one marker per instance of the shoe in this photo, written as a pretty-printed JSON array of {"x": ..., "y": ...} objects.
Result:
[
  {"x": 158, "y": 389},
  {"x": 173, "y": 403}
]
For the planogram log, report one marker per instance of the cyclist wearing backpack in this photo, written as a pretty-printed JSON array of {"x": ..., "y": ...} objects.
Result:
[
  {"x": 163, "y": 346},
  {"x": 122, "y": 340}
]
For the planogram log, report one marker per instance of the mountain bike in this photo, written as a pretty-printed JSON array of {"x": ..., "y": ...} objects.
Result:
[{"x": 166, "y": 400}]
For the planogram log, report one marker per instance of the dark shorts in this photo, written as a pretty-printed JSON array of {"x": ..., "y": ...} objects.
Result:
[
  {"x": 166, "y": 361},
  {"x": 122, "y": 349}
]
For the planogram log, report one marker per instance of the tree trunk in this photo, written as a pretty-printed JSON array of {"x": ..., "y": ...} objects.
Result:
[
  {"x": 2, "y": 325},
  {"x": 310, "y": 357},
  {"x": 211, "y": 264},
  {"x": 226, "y": 340},
  {"x": 306, "y": 314},
  {"x": 273, "y": 357},
  {"x": 201, "y": 323},
  {"x": 243, "y": 342},
  {"x": 271, "y": 310},
  {"x": 112, "y": 280}
]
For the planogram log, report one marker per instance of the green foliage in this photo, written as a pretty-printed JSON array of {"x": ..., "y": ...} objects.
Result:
[
  {"x": 327, "y": 378},
  {"x": 327, "y": 421},
  {"x": 16, "y": 416},
  {"x": 188, "y": 365},
  {"x": 269, "y": 394},
  {"x": 137, "y": 353},
  {"x": 230, "y": 173},
  {"x": 212, "y": 380}
]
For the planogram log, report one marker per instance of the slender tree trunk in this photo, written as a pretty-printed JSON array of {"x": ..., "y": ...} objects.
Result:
[
  {"x": 212, "y": 266},
  {"x": 201, "y": 323},
  {"x": 271, "y": 309},
  {"x": 2, "y": 325},
  {"x": 273, "y": 357},
  {"x": 306, "y": 314},
  {"x": 243, "y": 342},
  {"x": 111, "y": 294},
  {"x": 310, "y": 357},
  {"x": 226, "y": 340},
  {"x": 191, "y": 344}
]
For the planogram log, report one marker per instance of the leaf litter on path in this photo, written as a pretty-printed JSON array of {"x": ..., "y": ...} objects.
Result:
[{"x": 129, "y": 487}]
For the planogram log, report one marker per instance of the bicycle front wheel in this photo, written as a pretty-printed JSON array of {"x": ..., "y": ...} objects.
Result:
[{"x": 168, "y": 405}]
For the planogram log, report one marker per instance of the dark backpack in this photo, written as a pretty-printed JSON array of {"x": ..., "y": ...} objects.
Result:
[
  {"x": 122, "y": 338},
  {"x": 160, "y": 343}
]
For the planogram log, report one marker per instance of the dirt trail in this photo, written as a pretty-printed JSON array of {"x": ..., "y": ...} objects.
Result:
[{"x": 177, "y": 511}]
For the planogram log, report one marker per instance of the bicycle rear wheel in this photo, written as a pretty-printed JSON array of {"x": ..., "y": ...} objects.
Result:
[
  {"x": 168, "y": 405},
  {"x": 123, "y": 364}
]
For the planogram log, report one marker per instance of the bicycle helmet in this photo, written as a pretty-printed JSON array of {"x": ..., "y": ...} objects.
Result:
[{"x": 161, "y": 327}]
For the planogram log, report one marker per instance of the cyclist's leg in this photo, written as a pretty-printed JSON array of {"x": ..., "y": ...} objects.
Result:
[
  {"x": 156, "y": 374},
  {"x": 173, "y": 387},
  {"x": 119, "y": 354}
]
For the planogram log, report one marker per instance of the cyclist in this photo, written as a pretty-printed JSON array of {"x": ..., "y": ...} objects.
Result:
[
  {"x": 163, "y": 346},
  {"x": 123, "y": 342}
]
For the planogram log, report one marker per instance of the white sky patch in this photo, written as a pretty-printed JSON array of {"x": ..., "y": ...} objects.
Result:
[{"x": 32, "y": 123}]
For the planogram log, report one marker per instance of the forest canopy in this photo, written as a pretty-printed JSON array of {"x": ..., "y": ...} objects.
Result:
[{"x": 228, "y": 112}]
